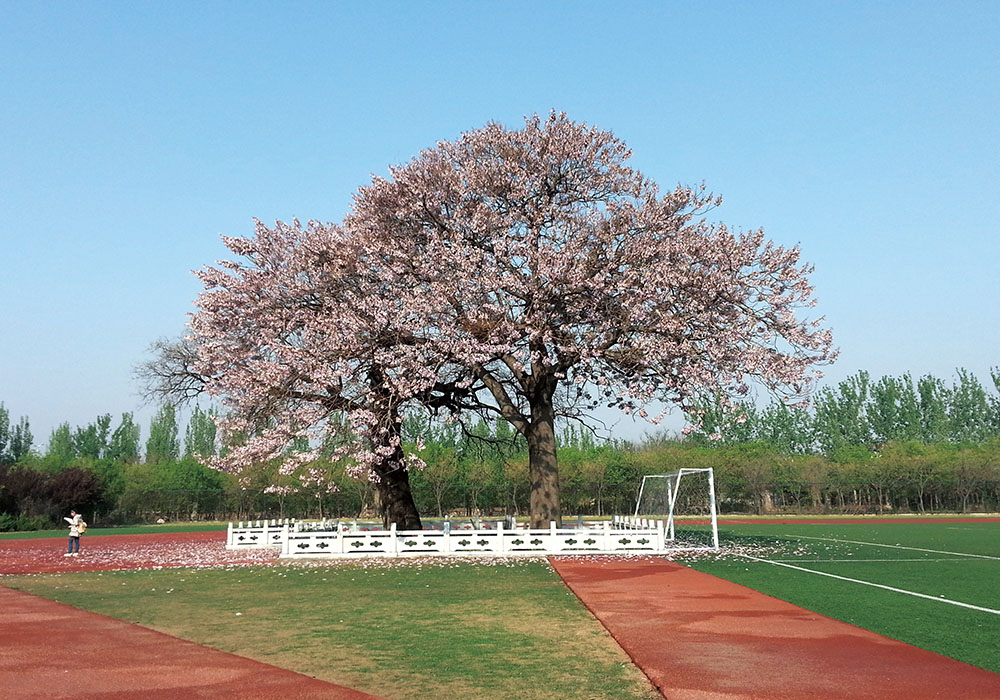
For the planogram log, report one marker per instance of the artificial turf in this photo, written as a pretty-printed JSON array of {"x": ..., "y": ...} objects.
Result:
[{"x": 961, "y": 633}]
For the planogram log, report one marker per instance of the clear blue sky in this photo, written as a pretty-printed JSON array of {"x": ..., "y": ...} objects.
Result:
[{"x": 133, "y": 134}]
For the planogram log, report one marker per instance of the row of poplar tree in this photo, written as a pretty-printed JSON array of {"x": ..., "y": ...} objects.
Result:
[
  {"x": 861, "y": 413},
  {"x": 895, "y": 444}
]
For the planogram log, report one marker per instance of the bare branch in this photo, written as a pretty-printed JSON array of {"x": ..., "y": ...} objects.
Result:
[{"x": 169, "y": 376}]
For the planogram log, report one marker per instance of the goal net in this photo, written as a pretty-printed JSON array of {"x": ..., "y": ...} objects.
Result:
[{"x": 685, "y": 500}]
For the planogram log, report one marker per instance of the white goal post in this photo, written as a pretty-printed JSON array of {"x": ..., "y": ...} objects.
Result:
[{"x": 686, "y": 498}]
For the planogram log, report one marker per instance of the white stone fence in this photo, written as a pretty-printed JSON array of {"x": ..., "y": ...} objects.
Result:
[
  {"x": 339, "y": 540},
  {"x": 263, "y": 534},
  {"x": 628, "y": 522},
  {"x": 258, "y": 534}
]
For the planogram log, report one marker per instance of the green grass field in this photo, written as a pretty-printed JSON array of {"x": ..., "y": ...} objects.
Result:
[{"x": 963, "y": 568}]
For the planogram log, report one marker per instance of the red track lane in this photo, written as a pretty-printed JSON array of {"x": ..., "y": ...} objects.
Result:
[
  {"x": 52, "y": 651},
  {"x": 699, "y": 637}
]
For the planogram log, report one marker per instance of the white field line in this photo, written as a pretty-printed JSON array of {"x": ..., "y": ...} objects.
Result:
[
  {"x": 874, "y": 585},
  {"x": 897, "y": 546},
  {"x": 878, "y": 561}
]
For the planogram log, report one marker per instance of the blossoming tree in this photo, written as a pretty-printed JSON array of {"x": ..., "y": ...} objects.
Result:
[
  {"x": 558, "y": 278},
  {"x": 304, "y": 346}
]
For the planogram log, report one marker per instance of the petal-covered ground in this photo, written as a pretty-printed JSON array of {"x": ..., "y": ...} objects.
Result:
[
  {"x": 109, "y": 552},
  {"x": 207, "y": 549}
]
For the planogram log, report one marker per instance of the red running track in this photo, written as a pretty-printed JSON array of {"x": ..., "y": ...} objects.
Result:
[
  {"x": 51, "y": 651},
  {"x": 698, "y": 637}
]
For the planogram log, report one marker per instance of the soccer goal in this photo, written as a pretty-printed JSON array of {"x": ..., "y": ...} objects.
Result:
[{"x": 685, "y": 500}]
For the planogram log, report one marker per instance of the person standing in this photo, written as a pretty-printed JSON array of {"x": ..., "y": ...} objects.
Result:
[{"x": 74, "y": 520}]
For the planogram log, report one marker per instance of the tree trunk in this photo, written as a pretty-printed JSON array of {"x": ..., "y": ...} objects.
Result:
[
  {"x": 816, "y": 498},
  {"x": 396, "y": 500},
  {"x": 542, "y": 465},
  {"x": 392, "y": 483},
  {"x": 766, "y": 502}
]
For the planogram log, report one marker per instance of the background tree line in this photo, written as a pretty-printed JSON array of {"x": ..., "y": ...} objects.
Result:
[
  {"x": 108, "y": 474},
  {"x": 891, "y": 445}
]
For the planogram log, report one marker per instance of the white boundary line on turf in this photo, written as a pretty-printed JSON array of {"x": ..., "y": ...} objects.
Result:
[
  {"x": 877, "y": 561},
  {"x": 897, "y": 546},
  {"x": 874, "y": 585}
]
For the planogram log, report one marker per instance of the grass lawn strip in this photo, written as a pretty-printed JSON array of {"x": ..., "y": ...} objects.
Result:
[{"x": 396, "y": 629}]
